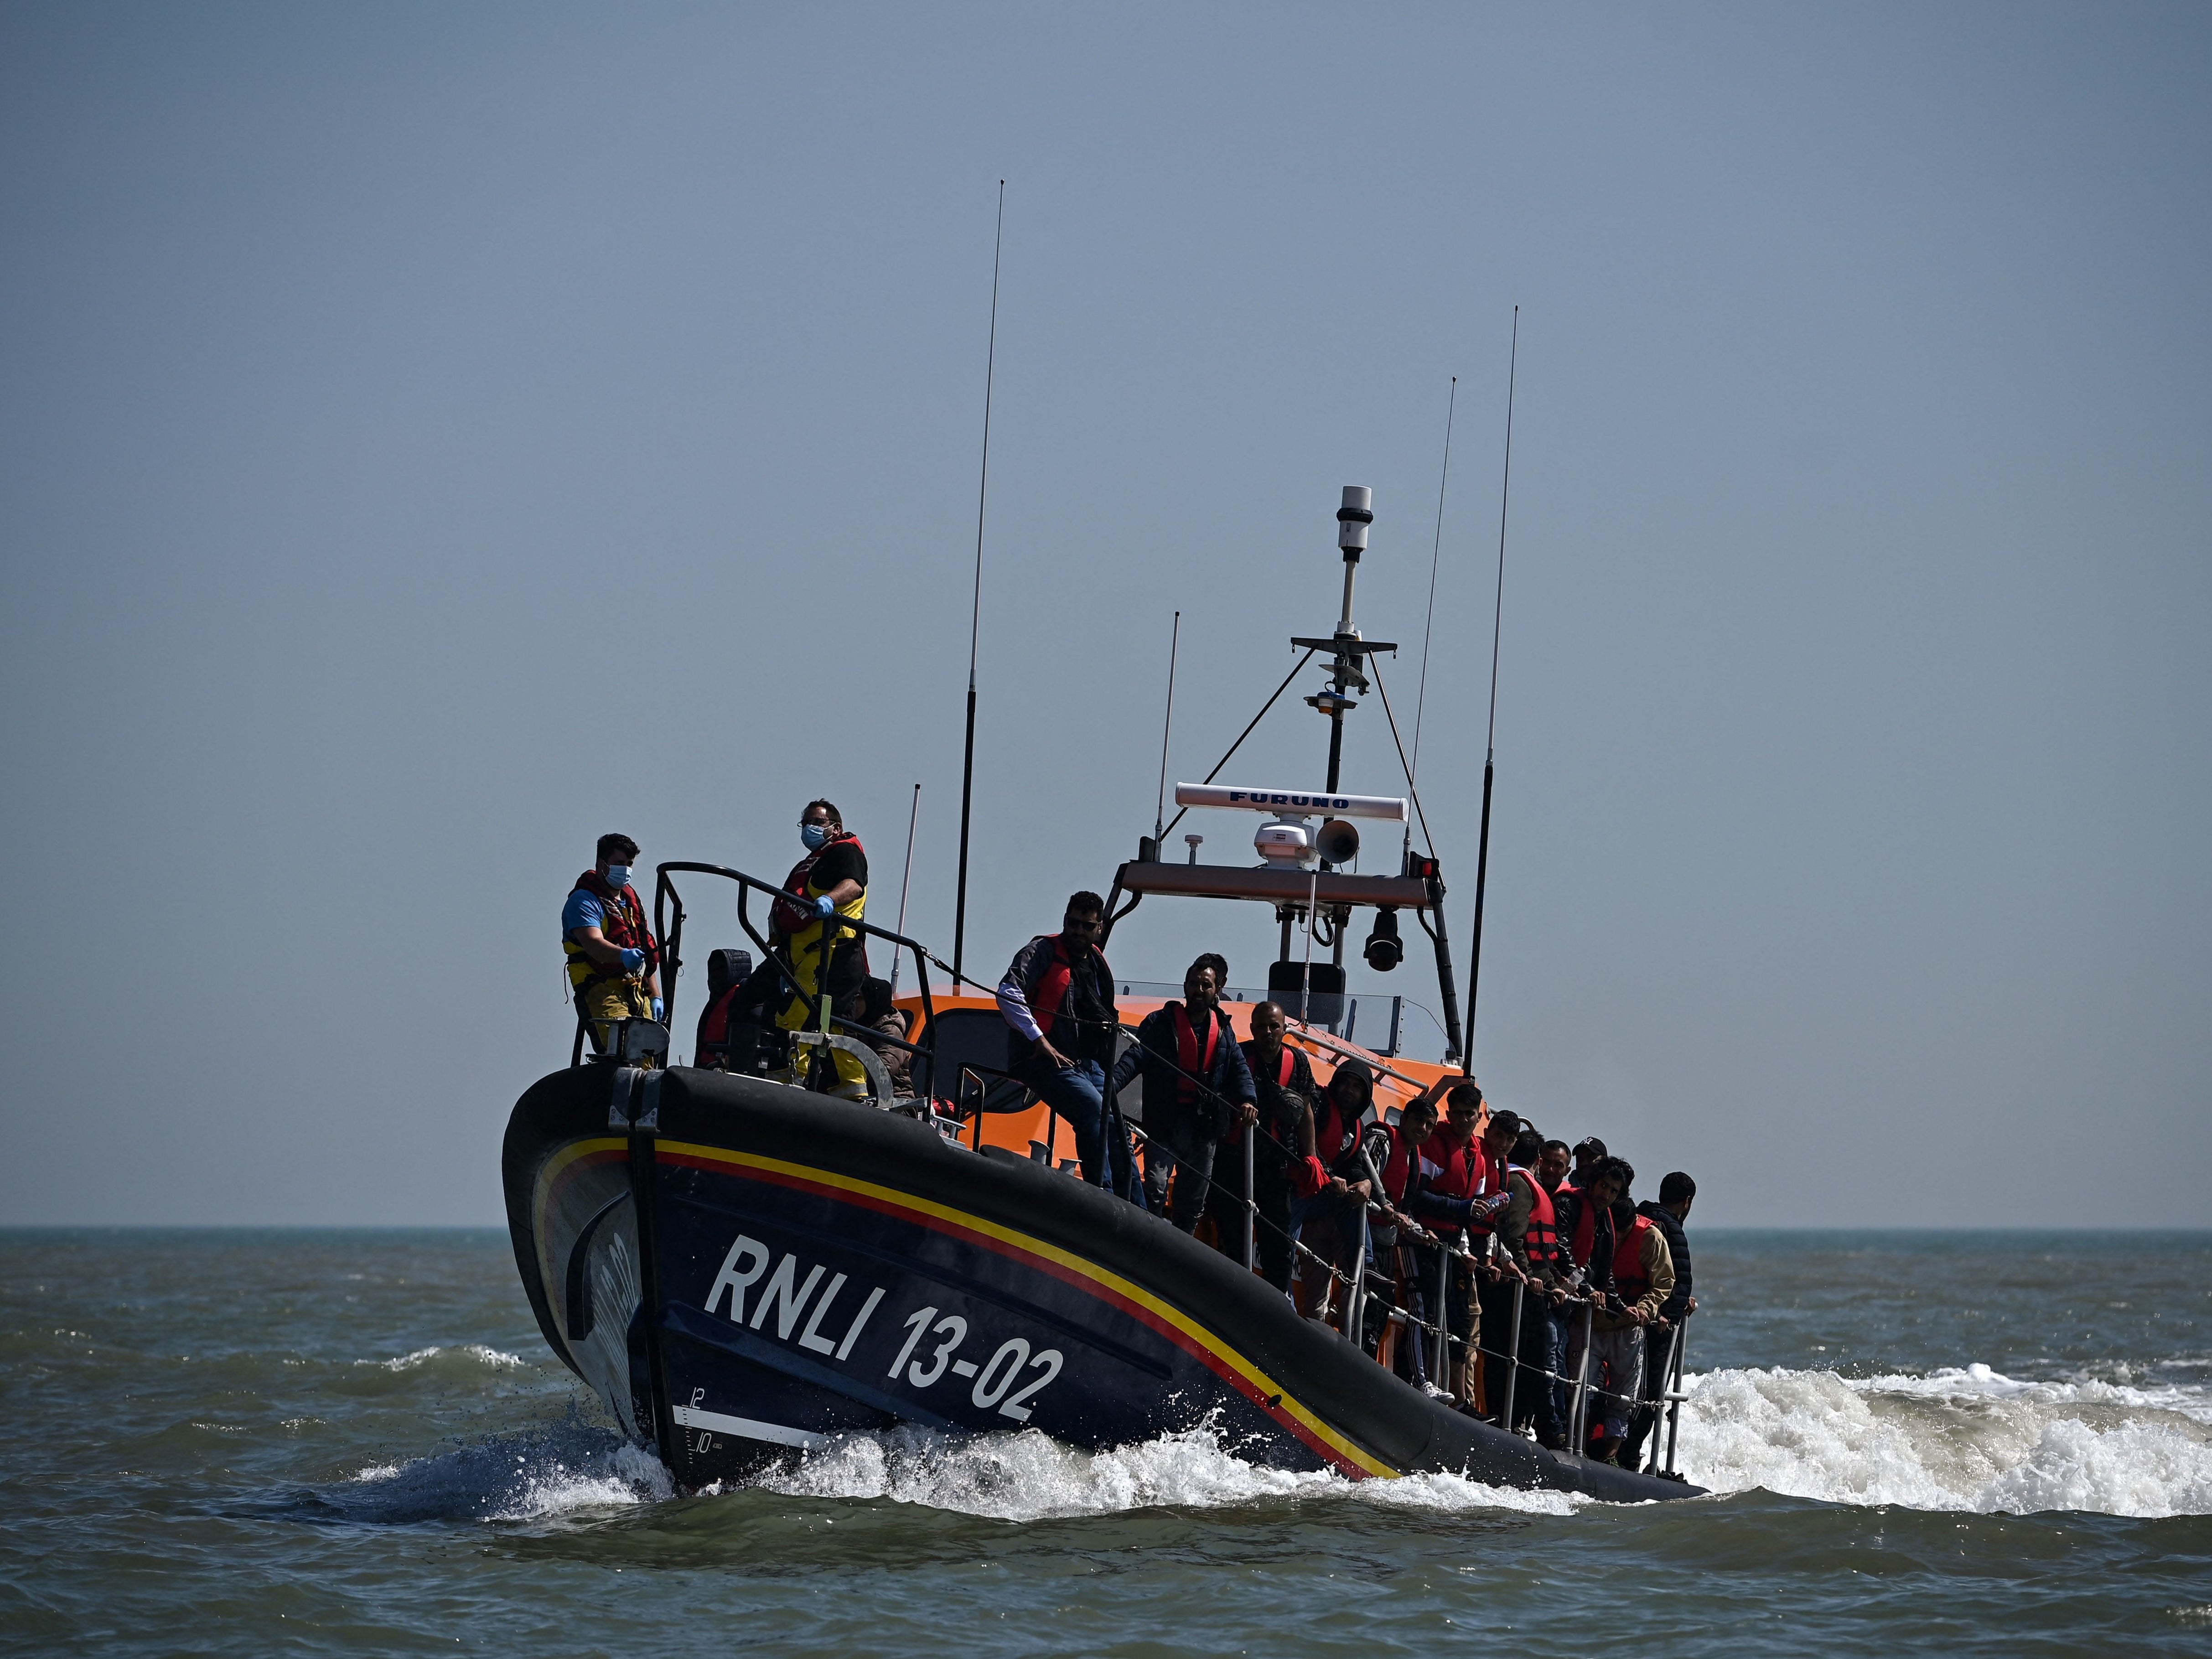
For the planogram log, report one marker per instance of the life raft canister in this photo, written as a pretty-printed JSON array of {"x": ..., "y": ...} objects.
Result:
[{"x": 622, "y": 924}]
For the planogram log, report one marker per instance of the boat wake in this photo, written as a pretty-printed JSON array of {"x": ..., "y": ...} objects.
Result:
[{"x": 1966, "y": 1440}]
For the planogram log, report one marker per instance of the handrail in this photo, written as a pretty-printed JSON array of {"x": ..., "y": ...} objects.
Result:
[{"x": 820, "y": 1013}]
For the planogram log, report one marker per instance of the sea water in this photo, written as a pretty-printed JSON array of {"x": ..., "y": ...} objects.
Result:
[{"x": 357, "y": 1443}]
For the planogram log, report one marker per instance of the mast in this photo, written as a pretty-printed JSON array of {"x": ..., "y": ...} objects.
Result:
[
  {"x": 975, "y": 613},
  {"x": 1489, "y": 753}
]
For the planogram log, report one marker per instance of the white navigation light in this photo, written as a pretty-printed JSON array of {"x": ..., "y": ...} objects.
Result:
[
  {"x": 1292, "y": 803},
  {"x": 1352, "y": 520}
]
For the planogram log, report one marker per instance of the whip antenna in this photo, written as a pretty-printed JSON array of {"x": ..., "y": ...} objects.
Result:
[
  {"x": 1160, "y": 807},
  {"x": 913, "y": 813},
  {"x": 1489, "y": 753},
  {"x": 976, "y": 612},
  {"x": 1421, "y": 698}
]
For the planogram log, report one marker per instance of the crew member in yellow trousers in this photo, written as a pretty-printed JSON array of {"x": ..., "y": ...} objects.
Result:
[
  {"x": 831, "y": 881},
  {"x": 613, "y": 963}
]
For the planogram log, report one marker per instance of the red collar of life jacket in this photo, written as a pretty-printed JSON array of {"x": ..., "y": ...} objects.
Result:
[
  {"x": 1187, "y": 1055},
  {"x": 622, "y": 916}
]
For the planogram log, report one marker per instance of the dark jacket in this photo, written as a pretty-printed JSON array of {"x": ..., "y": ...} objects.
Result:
[
  {"x": 1282, "y": 1151},
  {"x": 1076, "y": 1012},
  {"x": 1597, "y": 1272},
  {"x": 1228, "y": 1082},
  {"x": 1677, "y": 1241}
]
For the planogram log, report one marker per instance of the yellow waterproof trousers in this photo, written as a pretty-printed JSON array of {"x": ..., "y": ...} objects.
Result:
[{"x": 605, "y": 1000}]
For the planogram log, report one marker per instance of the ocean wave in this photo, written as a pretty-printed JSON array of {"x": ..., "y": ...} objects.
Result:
[
  {"x": 468, "y": 1355},
  {"x": 1966, "y": 1439},
  {"x": 1023, "y": 1475},
  {"x": 536, "y": 1475}
]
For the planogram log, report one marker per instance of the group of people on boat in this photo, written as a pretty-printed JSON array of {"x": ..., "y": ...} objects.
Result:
[
  {"x": 1484, "y": 1262},
  {"x": 1453, "y": 1202}
]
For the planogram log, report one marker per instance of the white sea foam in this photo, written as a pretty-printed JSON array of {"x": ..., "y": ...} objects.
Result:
[
  {"x": 1025, "y": 1476},
  {"x": 495, "y": 1359},
  {"x": 528, "y": 1477},
  {"x": 1968, "y": 1438}
]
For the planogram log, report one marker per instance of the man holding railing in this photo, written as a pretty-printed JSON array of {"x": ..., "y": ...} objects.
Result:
[
  {"x": 1057, "y": 999},
  {"x": 1195, "y": 1083}
]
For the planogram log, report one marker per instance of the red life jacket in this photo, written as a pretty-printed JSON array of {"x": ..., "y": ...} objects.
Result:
[
  {"x": 1053, "y": 984},
  {"x": 1332, "y": 1131},
  {"x": 1585, "y": 1238},
  {"x": 1187, "y": 1055},
  {"x": 622, "y": 924},
  {"x": 1484, "y": 1181},
  {"x": 1629, "y": 1282},
  {"x": 1398, "y": 1167},
  {"x": 1542, "y": 1239},
  {"x": 786, "y": 918}
]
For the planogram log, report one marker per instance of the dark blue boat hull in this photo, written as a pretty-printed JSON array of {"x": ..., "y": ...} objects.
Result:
[{"x": 743, "y": 1270}]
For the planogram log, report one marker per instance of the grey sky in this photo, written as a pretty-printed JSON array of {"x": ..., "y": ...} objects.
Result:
[{"x": 434, "y": 436}]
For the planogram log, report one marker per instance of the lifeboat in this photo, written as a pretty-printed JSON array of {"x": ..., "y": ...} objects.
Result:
[{"x": 743, "y": 1267}]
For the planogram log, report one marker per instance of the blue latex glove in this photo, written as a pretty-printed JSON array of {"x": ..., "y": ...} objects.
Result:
[
  {"x": 632, "y": 962},
  {"x": 823, "y": 907},
  {"x": 658, "y": 1008}
]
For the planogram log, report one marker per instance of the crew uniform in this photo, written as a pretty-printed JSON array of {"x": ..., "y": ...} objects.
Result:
[
  {"x": 1051, "y": 990},
  {"x": 797, "y": 934},
  {"x": 604, "y": 992}
]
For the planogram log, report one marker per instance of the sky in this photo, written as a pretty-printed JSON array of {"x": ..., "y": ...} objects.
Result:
[{"x": 432, "y": 436}]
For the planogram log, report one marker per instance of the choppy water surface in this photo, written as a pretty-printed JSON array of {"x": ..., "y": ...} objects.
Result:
[{"x": 356, "y": 1442}]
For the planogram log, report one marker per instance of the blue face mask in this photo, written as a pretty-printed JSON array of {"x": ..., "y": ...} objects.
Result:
[
  {"x": 618, "y": 876},
  {"x": 812, "y": 835}
]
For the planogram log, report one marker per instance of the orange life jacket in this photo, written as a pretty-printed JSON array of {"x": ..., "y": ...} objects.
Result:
[{"x": 1187, "y": 1055}]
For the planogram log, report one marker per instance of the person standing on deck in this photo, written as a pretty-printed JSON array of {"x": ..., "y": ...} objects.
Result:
[
  {"x": 1669, "y": 1214},
  {"x": 1527, "y": 1233},
  {"x": 613, "y": 963},
  {"x": 1195, "y": 1080},
  {"x": 829, "y": 886},
  {"x": 1284, "y": 1166},
  {"x": 1057, "y": 999}
]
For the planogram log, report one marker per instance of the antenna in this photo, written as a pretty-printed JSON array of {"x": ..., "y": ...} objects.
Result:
[
  {"x": 1490, "y": 754},
  {"x": 1435, "y": 553},
  {"x": 913, "y": 813},
  {"x": 1160, "y": 807},
  {"x": 976, "y": 612}
]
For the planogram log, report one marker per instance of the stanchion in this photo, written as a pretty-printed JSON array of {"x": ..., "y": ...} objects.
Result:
[
  {"x": 1674, "y": 1391},
  {"x": 1440, "y": 1367},
  {"x": 1355, "y": 1312},
  {"x": 1513, "y": 1359},
  {"x": 1578, "y": 1436},
  {"x": 1664, "y": 1373},
  {"x": 1251, "y": 1206}
]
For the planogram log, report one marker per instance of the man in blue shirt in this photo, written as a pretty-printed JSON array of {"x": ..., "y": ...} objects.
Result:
[{"x": 613, "y": 963}]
